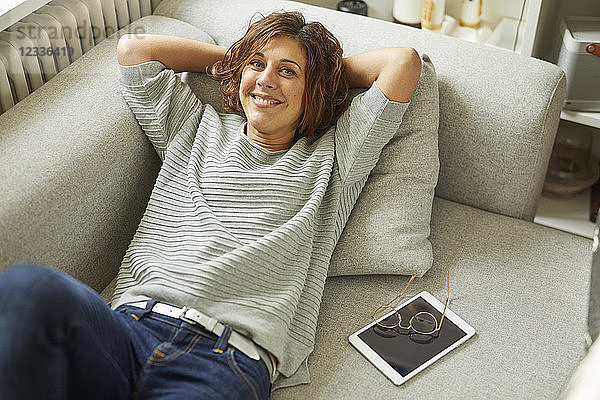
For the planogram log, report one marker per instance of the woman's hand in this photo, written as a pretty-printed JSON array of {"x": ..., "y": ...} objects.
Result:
[{"x": 395, "y": 69}]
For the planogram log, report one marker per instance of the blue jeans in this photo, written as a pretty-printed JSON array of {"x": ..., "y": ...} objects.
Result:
[{"x": 60, "y": 340}]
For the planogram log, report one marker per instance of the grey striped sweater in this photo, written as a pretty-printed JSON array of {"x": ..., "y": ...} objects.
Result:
[{"x": 239, "y": 232}]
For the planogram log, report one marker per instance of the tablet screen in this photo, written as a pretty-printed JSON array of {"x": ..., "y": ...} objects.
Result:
[{"x": 406, "y": 351}]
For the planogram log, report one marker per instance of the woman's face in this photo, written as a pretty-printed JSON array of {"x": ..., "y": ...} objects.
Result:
[{"x": 272, "y": 87}]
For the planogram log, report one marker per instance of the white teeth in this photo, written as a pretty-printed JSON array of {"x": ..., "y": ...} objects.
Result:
[{"x": 264, "y": 101}]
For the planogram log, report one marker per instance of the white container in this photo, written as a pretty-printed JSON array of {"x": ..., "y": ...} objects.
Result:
[
  {"x": 470, "y": 14},
  {"x": 582, "y": 68},
  {"x": 408, "y": 12},
  {"x": 433, "y": 14}
]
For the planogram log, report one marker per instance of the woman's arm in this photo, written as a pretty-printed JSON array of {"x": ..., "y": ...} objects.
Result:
[
  {"x": 395, "y": 69},
  {"x": 176, "y": 53}
]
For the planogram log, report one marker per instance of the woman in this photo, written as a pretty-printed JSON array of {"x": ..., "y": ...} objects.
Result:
[{"x": 219, "y": 291}]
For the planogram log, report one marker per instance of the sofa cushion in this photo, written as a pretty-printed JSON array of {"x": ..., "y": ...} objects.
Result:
[
  {"x": 519, "y": 284},
  {"x": 522, "y": 287},
  {"x": 388, "y": 229}
]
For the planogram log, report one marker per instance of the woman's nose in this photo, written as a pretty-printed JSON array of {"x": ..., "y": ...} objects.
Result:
[{"x": 266, "y": 79}]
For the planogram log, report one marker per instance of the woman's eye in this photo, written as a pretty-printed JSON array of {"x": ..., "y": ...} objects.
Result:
[{"x": 284, "y": 70}]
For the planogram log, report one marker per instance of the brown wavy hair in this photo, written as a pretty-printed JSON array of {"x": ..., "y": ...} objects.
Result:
[{"x": 326, "y": 89}]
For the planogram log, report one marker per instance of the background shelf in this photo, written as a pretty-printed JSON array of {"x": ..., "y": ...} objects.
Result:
[
  {"x": 569, "y": 215},
  {"x": 584, "y": 118}
]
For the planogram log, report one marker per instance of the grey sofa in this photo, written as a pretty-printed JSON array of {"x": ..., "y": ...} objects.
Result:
[{"x": 76, "y": 173}]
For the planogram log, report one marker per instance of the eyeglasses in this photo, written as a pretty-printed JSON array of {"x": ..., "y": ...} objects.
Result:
[{"x": 421, "y": 323}]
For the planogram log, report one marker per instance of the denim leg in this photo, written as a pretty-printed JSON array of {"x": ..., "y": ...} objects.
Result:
[
  {"x": 190, "y": 363},
  {"x": 60, "y": 340}
]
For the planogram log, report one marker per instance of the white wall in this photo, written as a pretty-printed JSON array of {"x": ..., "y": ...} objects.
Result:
[{"x": 381, "y": 9}]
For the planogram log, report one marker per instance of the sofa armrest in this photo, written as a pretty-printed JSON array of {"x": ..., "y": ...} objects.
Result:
[
  {"x": 75, "y": 167},
  {"x": 499, "y": 113}
]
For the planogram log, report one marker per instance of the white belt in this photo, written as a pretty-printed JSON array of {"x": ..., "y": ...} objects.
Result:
[{"x": 195, "y": 317}]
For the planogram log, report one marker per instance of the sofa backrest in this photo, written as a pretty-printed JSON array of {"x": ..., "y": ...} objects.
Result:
[
  {"x": 498, "y": 111},
  {"x": 76, "y": 170}
]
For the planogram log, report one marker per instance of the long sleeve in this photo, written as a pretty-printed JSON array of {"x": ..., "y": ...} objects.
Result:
[
  {"x": 363, "y": 130},
  {"x": 160, "y": 101}
]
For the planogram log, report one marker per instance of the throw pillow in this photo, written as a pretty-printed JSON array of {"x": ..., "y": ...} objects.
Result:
[{"x": 388, "y": 229}]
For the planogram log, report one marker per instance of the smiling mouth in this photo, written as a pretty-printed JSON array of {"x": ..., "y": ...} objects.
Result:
[{"x": 263, "y": 101}]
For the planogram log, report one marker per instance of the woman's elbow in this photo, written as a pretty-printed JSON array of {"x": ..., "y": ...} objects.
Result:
[
  {"x": 409, "y": 60},
  {"x": 124, "y": 50},
  {"x": 130, "y": 51},
  {"x": 402, "y": 73}
]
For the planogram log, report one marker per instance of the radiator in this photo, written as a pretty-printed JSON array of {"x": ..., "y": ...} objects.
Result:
[{"x": 35, "y": 49}]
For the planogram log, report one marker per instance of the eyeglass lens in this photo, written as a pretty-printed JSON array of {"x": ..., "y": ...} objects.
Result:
[
  {"x": 390, "y": 322},
  {"x": 424, "y": 323}
]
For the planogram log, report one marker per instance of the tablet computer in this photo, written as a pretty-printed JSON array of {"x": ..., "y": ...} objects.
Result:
[{"x": 400, "y": 353}]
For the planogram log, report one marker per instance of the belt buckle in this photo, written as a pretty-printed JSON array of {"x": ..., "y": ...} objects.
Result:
[{"x": 182, "y": 316}]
